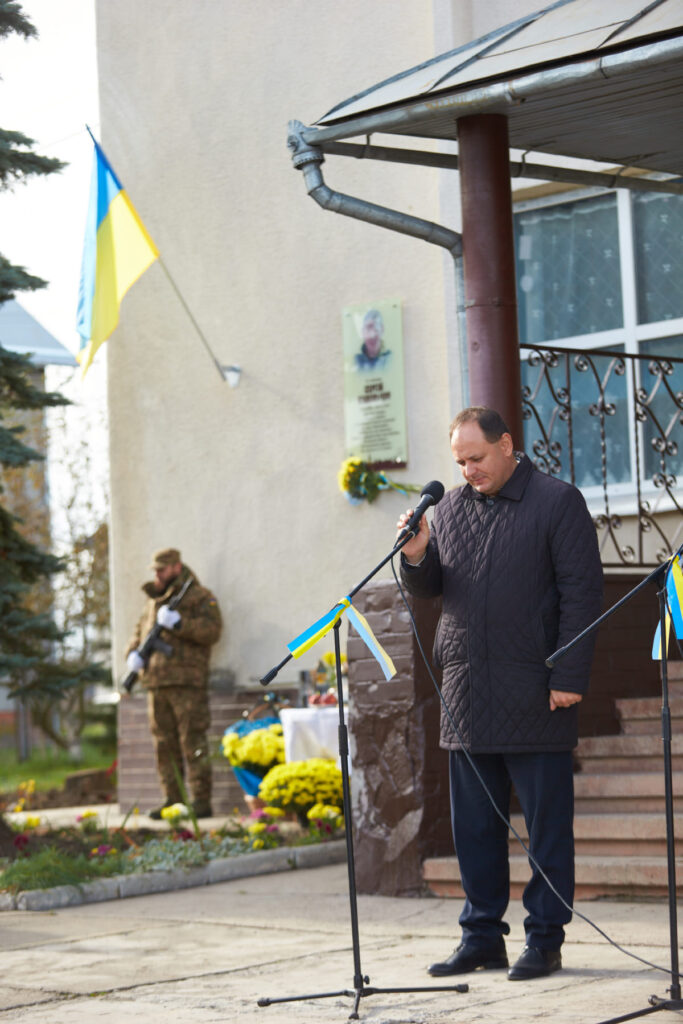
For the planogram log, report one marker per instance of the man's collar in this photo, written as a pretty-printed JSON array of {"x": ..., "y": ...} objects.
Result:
[{"x": 513, "y": 489}]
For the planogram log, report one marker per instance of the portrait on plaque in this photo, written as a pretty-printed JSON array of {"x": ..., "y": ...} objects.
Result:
[{"x": 374, "y": 386}]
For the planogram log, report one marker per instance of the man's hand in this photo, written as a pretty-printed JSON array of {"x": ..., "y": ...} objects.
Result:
[
  {"x": 134, "y": 662},
  {"x": 168, "y": 617},
  {"x": 563, "y": 699},
  {"x": 415, "y": 548}
]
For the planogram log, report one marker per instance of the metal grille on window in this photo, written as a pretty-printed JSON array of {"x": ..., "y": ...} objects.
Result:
[
  {"x": 576, "y": 411},
  {"x": 659, "y": 408}
]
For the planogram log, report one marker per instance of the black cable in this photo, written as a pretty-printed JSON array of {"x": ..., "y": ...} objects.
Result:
[{"x": 510, "y": 826}]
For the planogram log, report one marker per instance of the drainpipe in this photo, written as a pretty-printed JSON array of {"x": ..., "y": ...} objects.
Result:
[
  {"x": 518, "y": 168},
  {"x": 308, "y": 159}
]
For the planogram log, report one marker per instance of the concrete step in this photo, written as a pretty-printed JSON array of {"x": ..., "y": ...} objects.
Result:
[
  {"x": 633, "y": 783},
  {"x": 617, "y": 835},
  {"x": 625, "y": 792},
  {"x": 611, "y": 754},
  {"x": 648, "y": 707},
  {"x": 647, "y": 726},
  {"x": 642, "y": 715},
  {"x": 627, "y": 763},
  {"x": 595, "y": 876}
]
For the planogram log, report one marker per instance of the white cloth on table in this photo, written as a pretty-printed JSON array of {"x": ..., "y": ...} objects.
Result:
[{"x": 310, "y": 732}]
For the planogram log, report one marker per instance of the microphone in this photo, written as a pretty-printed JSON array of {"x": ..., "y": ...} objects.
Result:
[{"x": 431, "y": 494}]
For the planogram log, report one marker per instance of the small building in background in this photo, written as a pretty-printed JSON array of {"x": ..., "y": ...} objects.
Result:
[{"x": 26, "y": 491}]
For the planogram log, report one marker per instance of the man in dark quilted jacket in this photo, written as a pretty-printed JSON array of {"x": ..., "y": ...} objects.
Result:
[
  {"x": 514, "y": 556},
  {"x": 177, "y": 684}
]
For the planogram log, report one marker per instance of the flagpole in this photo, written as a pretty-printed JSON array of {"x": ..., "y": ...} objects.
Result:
[{"x": 191, "y": 317}]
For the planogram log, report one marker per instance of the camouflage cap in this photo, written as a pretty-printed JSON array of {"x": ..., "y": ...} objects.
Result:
[{"x": 164, "y": 557}]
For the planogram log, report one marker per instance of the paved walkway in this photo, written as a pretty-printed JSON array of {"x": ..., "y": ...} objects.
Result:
[{"x": 206, "y": 955}]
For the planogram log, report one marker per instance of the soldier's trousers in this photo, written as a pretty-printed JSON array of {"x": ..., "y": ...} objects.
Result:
[{"x": 179, "y": 719}]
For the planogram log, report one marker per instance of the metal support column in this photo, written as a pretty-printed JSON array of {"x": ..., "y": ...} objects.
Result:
[{"x": 489, "y": 267}]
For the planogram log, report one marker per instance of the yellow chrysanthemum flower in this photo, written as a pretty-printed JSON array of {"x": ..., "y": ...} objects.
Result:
[
  {"x": 347, "y": 470},
  {"x": 299, "y": 785},
  {"x": 257, "y": 750}
]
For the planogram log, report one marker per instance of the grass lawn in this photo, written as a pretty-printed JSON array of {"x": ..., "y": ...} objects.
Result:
[{"x": 49, "y": 768}]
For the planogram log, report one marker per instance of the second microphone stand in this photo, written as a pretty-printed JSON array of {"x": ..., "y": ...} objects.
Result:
[{"x": 659, "y": 577}]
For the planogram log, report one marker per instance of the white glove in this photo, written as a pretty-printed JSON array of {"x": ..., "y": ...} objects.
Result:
[
  {"x": 168, "y": 617},
  {"x": 134, "y": 662}
]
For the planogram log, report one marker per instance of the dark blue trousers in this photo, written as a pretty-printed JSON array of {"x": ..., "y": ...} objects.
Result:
[{"x": 544, "y": 783}]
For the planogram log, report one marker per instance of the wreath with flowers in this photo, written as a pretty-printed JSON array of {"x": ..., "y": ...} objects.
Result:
[
  {"x": 361, "y": 483},
  {"x": 252, "y": 748}
]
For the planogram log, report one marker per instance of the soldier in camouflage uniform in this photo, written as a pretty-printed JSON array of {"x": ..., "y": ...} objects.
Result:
[{"x": 177, "y": 686}]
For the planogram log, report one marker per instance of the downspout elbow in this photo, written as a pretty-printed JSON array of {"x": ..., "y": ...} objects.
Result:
[
  {"x": 316, "y": 187},
  {"x": 308, "y": 159}
]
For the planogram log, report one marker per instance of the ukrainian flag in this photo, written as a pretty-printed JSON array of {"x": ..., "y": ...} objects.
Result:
[{"x": 117, "y": 251}]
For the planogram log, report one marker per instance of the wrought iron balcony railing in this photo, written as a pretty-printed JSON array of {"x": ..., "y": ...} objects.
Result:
[{"x": 610, "y": 423}]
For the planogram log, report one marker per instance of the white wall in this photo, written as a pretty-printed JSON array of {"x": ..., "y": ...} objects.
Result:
[{"x": 195, "y": 101}]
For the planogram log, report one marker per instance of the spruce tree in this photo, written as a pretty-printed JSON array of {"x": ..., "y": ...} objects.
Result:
[{"x": 29, "y": 665}]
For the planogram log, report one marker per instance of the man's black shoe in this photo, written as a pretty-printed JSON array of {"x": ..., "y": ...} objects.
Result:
[
  {"x": 535, "y": 963},
  {"x": 202, "y": 810},
  {"x": 470, "y": 957}
]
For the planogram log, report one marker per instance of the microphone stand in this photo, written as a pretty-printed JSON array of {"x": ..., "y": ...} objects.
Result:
[
  {"x": 658, "y": 577},
  {"x": 360, "y": 981}
]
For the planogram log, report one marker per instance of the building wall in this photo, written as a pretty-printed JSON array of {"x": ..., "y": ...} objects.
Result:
[{"x": 194, "y": 120}]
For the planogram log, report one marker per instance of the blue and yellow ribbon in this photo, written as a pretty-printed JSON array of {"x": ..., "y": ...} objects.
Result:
[
  {"x": 674, "y": 593},
  {"x": 317, "y": 631},
  {"x": 360, "y": 623},
  {"x": 674, "y": 614},
  {"x": 322, "y": 626}
]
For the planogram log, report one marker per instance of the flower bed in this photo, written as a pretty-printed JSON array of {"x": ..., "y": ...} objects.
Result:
[
  {"x": 41, "y": 857},
  {"x": 34, "y": 855}
]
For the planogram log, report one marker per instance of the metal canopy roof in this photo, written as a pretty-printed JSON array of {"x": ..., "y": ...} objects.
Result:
[{"x": 576, "y": 79}]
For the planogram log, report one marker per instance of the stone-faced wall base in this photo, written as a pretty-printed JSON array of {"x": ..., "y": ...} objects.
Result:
[{"x": 399, "y": 783}]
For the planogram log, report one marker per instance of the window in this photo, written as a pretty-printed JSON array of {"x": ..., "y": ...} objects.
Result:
[
  {"x": 603, "y": 274},
  {"x": 568, "y": 270},
  {"x": 658, "y": 246}
]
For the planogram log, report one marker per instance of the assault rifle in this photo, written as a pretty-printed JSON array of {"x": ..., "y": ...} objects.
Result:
[{"x": 153, "y": 641}]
